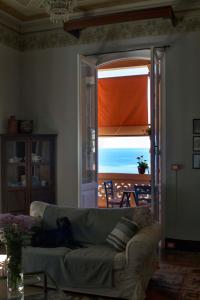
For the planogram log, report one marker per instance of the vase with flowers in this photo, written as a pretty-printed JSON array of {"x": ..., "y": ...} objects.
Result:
[
  {"x": 14, "y": 230},
  {"x": 142, "y": 164}
]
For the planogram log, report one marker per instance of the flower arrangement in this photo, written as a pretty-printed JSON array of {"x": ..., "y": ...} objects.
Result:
[
  {"x": 14, "y": 228},
  {"x": 142, "y": 164},
  {"x": 14, "y": 231}
]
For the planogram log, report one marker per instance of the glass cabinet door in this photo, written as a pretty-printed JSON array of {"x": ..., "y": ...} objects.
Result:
[
  {"x": 27, "y": 171},
  {"x": 16, "y": 175},
  {"x": 16, "y": 157},
  {"x": 41, "y": 169}
]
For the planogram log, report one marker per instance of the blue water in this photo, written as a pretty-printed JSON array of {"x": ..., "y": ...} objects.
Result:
[{"x": 121, "y": 160}]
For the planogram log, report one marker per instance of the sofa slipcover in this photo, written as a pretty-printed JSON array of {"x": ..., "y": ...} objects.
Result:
[{"x": 131, "y": 269}]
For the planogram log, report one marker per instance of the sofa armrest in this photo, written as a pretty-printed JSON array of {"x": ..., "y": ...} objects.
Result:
[
  {"x": 37, "y": 208},
  {"x": 142, "y": 245}
]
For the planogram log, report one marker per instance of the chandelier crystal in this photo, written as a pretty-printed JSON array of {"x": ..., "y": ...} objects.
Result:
[{"x": 59, "y": 10}]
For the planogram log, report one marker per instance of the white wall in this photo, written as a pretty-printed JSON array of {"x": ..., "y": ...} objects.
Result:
[
  {"x": 183, "y": 105},
  {"x": 50, "y": 97},
  {"x": 10, "y": 78}
]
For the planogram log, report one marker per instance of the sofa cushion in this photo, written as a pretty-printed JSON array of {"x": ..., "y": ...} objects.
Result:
[
  {"x": 89, "y": 225},
  {"x": 92, "y": 225},
  {"x": 77, "y": 216},
  {"x": 36, "y": 259},
  {"x": 91, "y": 266},
  {"x": 102, "y": 221},
  {"x": 122, "y": 233}
]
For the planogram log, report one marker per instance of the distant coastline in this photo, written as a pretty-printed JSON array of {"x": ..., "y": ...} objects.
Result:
[{"x": 121, "y": 160}]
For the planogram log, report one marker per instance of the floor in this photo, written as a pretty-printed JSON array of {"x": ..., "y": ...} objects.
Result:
[
  {"x": 182, "y": 278},
  {"x": 181, "y": 257}
]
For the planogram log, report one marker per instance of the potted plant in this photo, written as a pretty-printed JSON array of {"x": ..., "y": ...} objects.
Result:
[{"x": 142, "y": 164}]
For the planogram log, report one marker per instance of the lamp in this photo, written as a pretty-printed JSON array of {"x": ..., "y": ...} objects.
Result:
[{"x": 59, "y": 10}]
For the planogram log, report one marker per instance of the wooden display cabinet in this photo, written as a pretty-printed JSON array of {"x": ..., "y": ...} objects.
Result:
[{"x": 28, "y": 166}]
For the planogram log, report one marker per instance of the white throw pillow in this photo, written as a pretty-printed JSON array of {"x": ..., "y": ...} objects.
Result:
[{"x": 122, "y": 233}]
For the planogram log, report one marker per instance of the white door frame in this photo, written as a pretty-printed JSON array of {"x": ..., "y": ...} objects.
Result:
[
  {"x": 101, "y": 59},
  {"x": 87, "y": 192}
]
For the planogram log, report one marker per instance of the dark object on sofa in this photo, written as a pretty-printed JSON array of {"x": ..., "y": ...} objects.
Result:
[{"x": 58, "y": 237}]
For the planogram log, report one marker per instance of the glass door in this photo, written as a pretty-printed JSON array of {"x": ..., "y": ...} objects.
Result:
[
  {"x": 157, "y": 134},
  {"x": 42, "y": 164},
  {"x": 87, "y": 134},
  {"x": 16, "y": 175}
]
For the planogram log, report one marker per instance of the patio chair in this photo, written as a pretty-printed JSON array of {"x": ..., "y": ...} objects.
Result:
[
  {"x": 111, "y": 199},
  {"x": 142, "y": 194}
]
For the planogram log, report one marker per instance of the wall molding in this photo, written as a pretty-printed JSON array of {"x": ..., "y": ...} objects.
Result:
[
  {"x": 54, "y": 38},
  {"x": 9, "y": 37}
]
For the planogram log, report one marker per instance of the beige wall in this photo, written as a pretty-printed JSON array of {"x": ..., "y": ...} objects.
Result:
[
  {"x": 50, "y": 99},
  {"x": 10, "y": 87},
  {"x": 183, "y": 105}
]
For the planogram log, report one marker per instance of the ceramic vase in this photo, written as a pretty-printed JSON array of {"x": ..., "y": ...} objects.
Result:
[
  {"x": 12, "y": 125},
  {"x": 141, "y": 170}
]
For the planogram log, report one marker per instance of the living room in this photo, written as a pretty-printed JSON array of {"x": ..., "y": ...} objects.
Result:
[
  {"x": 40, "y": 84},
  {"x": 38, "y": 78}
]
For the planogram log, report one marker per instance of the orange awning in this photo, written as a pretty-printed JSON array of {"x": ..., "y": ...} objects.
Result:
[{"x": 122, "y": 105}]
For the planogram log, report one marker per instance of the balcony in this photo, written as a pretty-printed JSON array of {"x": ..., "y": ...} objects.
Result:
[{"x": 120, "y": 182}]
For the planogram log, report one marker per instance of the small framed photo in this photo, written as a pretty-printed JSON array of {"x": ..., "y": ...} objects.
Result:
[
  {"x": 196, "y": 143},
  {"x": 196, "y": 126},
  {"x": 196, "y": 161},
  {"x": 25, "y": 126}
]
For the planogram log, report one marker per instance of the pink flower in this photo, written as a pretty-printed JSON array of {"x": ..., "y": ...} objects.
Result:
[
  {"x": 14, "y": 228},
  {"x": 23, "y": 222},
  {"x": 6, "y": 219}
]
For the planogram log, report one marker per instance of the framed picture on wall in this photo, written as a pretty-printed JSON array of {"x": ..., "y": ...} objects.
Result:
[
  {"x": 196, "y": 126},
  {"x": 196, "y": 143},
  {"x": 196, "y": 161}
]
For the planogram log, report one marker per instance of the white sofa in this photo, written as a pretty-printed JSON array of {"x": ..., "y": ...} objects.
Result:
[{"x": 131, "y": 269}]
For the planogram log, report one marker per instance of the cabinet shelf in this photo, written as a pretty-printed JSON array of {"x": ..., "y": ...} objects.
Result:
[
  {"x": 14, "y": 189},
  {"x": 15, "y": 164},
  {"x": 40, "y": 163},
  {"x": 40, "y": 188}
]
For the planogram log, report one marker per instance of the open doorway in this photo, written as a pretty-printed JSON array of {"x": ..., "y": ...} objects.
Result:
[
  {"x": 89, "y": 127},
  {"x": 124, "y": 122}
]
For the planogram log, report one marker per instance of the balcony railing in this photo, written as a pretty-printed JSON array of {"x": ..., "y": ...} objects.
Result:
[{"x": 120, "y": 183}]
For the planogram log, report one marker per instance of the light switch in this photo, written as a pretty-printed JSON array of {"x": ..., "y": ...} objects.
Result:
[{"x": 175, "y": 167}]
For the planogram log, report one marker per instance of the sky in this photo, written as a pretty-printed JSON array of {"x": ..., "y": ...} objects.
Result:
[
  {"x": 123, "y": 72},
  {"x": 124, "y": 142}
]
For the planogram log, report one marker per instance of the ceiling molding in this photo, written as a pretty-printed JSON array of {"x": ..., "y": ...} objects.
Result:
[
  {"x": 56, "y": 38},
  {"x": 11, "y": 11},
  {"x": 9, "y": 22},
  {"x": 28, "y": 19}
]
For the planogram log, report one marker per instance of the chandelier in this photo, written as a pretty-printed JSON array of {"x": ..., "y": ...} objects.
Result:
[{"x": 59, "y": 10}]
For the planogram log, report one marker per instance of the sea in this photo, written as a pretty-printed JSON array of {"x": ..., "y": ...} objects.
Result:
[{"x": 120, "y": 160}]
